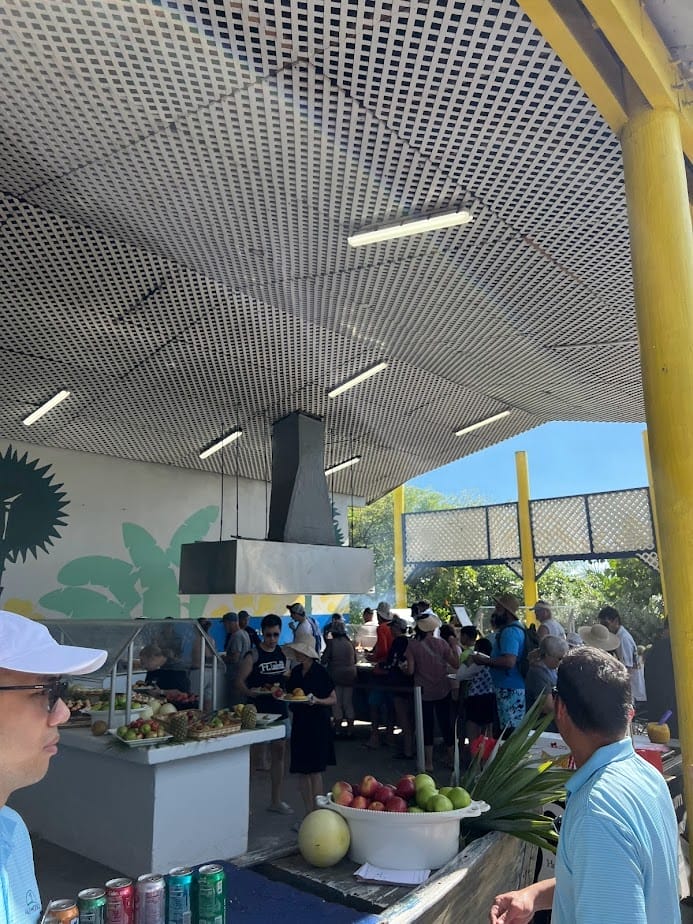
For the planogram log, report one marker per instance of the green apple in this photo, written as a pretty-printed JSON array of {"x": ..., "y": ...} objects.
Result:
[
  {"x": 424, "y": 794},
  {"x": 121, "y": 731},
  {"x": 445, "y": 790},
  {"x": 439, "y": 803},
  {"x": 459, "y": 797},
  {"x": 423, "y": 779},
  {"x": 415, "y": 810}
]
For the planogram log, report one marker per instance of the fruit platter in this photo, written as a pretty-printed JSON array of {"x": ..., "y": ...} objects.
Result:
[
  {"x": 141, "y": 733},
  {"x": 268, "y": 689}
]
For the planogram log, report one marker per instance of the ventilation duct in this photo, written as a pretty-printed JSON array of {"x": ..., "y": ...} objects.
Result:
[{"x": 301, "y": 554}]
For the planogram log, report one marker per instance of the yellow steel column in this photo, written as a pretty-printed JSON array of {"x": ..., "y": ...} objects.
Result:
[
  {"x": 661, "y": 239},
  {"x": 529, "y": 577},
  {"x": 397, "y": 512},
  {"x": 653, "y": 500}
]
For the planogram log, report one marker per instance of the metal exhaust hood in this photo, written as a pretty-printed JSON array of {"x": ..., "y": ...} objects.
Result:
[{"x": 301, "y": 554}]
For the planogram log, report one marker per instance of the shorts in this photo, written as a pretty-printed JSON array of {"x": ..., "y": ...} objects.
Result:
[{"x": 511, "y": 707}]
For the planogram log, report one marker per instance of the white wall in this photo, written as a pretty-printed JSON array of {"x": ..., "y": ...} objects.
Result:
[{"x": 104, "y": 496}]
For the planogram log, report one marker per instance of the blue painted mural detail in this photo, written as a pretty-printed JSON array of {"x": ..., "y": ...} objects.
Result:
[
  {"x": 149, "y": 580},
  {"x": 32, "y": 508}
]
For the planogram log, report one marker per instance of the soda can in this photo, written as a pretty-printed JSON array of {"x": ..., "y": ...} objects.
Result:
[
  {"x": 92, "y": 906},
  {"x": 120, "y": 901},
  {"x": 180, "y": 896},
  {"x": 150, "y": 899},
  {"x": 62, "y": 911},
  {"x": 211, "y": 894}
]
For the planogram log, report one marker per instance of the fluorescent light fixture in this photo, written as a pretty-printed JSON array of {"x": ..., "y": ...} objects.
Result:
[
  {"x": 224, "y": 441},
  {"x": 361, "y": 377},
  {"x": 411, "y": 226},
  {"x": 341, "y": 465},
  {"x": 482, "y": 423},
  {"x": 45, "y": 408}
]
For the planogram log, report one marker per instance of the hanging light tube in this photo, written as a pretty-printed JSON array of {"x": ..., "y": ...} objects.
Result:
[
  {"x": 361, "y": 377},
  {"x": 224, "y": 441},
  {"x": 48, "y": 406},
  {"x": 340, "y": 465},
  {"x": 411, "y": 226},
  {"x": 482, "y": 423}
]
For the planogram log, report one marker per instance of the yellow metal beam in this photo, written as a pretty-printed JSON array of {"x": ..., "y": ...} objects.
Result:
[
  {"x": 397, "y": 514},
  {"x": 571, "y": 37},
  {"x": 529, "y": 575},
  {"x": 661, "y": 238},
  {"x": 655, "y": 520},
  {"x": 635, "y": 39}
]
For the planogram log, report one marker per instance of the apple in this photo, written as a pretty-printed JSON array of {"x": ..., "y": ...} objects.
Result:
[
  {"x": 424, "y": 794},
  {"x": 405, "y": 788},
  {"x": 339, "y": 787},
  {"x": 277, "y": 692},
  {"x": 376, "y": 806},
  {"x": 356, "y": 789},
  {"x": 415, "y": 810},
  {"x": 439, "y": 803},
  {"x": 459, "y": 797},
  {"x": 345, "y": 797},
  {"x": 424, "y": 779},
  {"x": 360, "y": 802},
  {"x": 368, "y": 786},
  {"x": 396, "y": 804},
  {"x": 445, "y": 790},
  {"x": 384, "y": 793}
]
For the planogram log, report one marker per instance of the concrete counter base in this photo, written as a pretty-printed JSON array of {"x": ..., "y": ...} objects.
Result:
[{"x": 144, "y": 810}]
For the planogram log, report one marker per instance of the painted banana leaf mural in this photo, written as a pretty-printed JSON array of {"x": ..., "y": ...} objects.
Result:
[{"x": 148, "y": 581}]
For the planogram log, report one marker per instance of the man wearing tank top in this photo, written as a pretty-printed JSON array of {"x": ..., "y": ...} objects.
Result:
[{"x": 548, "y": 626}]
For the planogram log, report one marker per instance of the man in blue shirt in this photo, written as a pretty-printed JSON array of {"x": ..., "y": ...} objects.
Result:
[
  {"x": 617, "y": 855},
  {"x": 31, "y": 708},
  {"x": 508, "y": 648}
]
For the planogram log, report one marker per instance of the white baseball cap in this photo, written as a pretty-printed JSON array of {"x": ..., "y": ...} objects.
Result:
[{"x": 28, "y": 647}]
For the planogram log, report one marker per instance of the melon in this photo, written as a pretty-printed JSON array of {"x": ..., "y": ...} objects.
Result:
[{"x": 323, "y": 838}]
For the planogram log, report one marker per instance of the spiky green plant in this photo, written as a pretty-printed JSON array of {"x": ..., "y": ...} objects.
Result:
[{"x": 516, "y": 787}]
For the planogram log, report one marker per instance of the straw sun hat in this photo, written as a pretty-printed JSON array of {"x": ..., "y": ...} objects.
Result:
[
  {"x": 598, "y": 636},
  {"x": 427, "y": 621},
  {"x": 307, "y": 649}
]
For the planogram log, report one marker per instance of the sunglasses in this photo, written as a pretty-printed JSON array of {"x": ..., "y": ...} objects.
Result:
[
  {"x": 272, "y": 634},
  {"x": 54, "y": 690}
]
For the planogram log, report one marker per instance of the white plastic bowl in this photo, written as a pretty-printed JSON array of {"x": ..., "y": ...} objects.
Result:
[{"x": 400, "y": 840}]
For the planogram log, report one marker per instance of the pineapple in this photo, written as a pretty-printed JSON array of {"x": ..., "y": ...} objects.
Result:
[
  {"x": 658, "y": 733},
  {"x": 178, "y": 726},
  {"x": 249, "y": 717}
]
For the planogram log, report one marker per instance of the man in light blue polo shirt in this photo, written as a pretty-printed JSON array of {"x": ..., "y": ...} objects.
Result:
[{"x": 617, "y": 856}]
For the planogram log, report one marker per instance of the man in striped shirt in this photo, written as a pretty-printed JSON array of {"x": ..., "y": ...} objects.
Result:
[{"x": 617, "y": 855}]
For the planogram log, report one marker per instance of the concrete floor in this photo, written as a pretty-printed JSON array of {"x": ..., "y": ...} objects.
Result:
[{"x": 61, "y": 874}]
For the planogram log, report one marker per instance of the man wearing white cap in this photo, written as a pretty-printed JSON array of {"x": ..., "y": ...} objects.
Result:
[{"x": 31, "y": 708}]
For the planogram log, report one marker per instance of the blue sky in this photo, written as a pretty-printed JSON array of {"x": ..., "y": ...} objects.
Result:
[{"x": 563, "y": 459}]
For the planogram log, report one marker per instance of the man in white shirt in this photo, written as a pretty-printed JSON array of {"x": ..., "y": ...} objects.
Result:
[
  {"x": 31, "y": 709},
  {"x": 548, "y": 626}
]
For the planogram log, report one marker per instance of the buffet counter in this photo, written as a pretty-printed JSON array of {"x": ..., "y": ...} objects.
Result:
[{"x": 145, "y": 808}]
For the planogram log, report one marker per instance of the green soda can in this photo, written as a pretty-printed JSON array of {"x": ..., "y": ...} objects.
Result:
[
  {"x": 211, "y": 894},
  {"x": 92, "y": 906}
]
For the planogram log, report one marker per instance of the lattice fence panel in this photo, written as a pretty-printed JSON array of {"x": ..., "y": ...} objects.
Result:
[
  {"x": 446, "y": 535},
  {"x": 621, "y": 520},
  {"x": 503, "y": 531},
  {"x": 560, "y": 527}
]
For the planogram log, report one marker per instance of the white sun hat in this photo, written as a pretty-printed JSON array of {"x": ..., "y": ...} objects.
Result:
[{"x": 28, "y": 647}]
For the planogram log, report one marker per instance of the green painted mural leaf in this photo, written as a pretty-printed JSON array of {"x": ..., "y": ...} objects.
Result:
[
  {"x": 196, "y": 606},
  {"x": 117, "y": 576},
  {"x": 194, "y": 529},
  {"x": 81, "y": 603},
  {"x": 154, "y": 573}
]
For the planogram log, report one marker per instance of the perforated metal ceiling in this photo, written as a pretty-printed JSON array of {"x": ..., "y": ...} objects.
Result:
[{"x": 179, "y": 181}]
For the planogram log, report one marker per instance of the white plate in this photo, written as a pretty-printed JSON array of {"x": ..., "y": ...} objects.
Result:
[
  {"x": 266, "y": 718},
  {"x": 139, "y": 742},
  {"x": 103, "y": 713}
]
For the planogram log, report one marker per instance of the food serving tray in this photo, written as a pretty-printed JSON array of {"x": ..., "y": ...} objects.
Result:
[
  {"x": 287, "y": 698},
  {"x": 139, "y": 742},
  {"x": 260, "y": 691},
  {"x": 266, "y": 718},
  {"x": 214, "y": 732}
]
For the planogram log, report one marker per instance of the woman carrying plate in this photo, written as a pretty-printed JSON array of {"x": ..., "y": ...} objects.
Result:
[{"x": 312, "y": 745}]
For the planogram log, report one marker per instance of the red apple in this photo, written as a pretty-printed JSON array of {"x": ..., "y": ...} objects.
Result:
[
  {"x": 344, "y": 798},
  {"x": 384, "y": 793},
  {"x": 396, "y": 804},
  {"x": 360, "y": 802},
  {"x": 368, "y": 786},
  {"x": 277, "y": 692},
  {"x": 406, "y": 788},
  {"x": 339, "y": 787},
  {"x": 376, "y": 806}
]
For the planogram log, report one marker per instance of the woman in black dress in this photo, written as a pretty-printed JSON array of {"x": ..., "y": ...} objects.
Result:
[{"x": 312, "y": 746}]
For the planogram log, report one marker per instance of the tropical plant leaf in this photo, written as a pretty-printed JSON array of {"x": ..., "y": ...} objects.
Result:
[
  {"x": 144, "y": 551},
  {"x": 194, "y": 529},
  {"x": 154, "y": 573},
  {"x": 82, "y": 603},
  {"x": 118, "y": 577},
  {"x": 196, "y": 605}
]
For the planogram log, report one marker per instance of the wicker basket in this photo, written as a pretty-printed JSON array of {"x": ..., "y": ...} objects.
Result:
[{"x": 214, "y": 732}]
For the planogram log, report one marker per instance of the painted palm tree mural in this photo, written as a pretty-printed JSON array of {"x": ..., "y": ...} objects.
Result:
[
  {"x": 145, "y": 585},
  {"x": 32, "y": 508}
]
